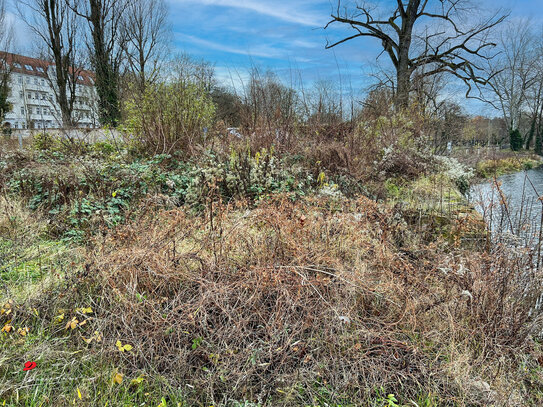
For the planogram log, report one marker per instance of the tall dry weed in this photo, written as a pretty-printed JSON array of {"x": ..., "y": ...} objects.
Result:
[{"x": 289, "y": 300}]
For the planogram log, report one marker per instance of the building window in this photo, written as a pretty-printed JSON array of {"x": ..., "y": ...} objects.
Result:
[
  {"x": 38, "y": 110},
  {"x": 21, "y": 94},
  {"x": 35, "y": 81},
  {"x": 22, "y": 111},
  {"x": 42, "y": 82},
  {"x": 43, "y": 96},
  {"x": 17, "y": 65},
  {"x": 28, "y": 68},
  {"x": 29, "y": 95},
  {"x": 20, "y": 79},
  {"x": 30, "y": 110},
  {"x": 40, "y": 69}
]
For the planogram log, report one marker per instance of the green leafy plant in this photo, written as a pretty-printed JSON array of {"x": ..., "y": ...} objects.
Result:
[{"x": 196, "y": 342}]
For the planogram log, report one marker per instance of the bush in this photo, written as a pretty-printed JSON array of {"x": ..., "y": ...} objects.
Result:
[
  {"x": 490, "y": 168},
  {"x": 169, "y": 117},
  {"x": 244, "y": 175},
  {"x": 515, "y": 140},
  {"x": 457, "y": 172},
  {"x": 45, "y": 142},
  {"x": 392, "y": 146}
]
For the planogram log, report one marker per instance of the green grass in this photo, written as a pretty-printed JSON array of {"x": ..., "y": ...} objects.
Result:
[
  {"x": 431, "y": 192},
  {"x": 27, "y": 266},
  {"x": 502, "y": 166},
  {"x": 65, "y": 370}
]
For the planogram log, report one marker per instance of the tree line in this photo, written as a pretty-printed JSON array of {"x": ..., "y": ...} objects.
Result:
[{"x": 425, "y": 43}]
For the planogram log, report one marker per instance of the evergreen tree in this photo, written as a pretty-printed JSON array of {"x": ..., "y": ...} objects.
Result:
[
  {"x": 539, "y": 142},
  {"x": 515, "y": 140},
  {"x": 5, "y": 106}
]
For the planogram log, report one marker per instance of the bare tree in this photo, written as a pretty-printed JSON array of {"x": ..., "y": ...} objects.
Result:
[
  {"x": 423, "y": 35},
  {"x": 6, "y": 36},
  {"x": 269, "y": 108},
  {"x": 105, "y": 19},
  {"x": 147, "y": 36},
  {"x": 513, "y": 73},
  {"x": 535, "y": 99},
  {"x": 57, "y": 26},
  {"x": 322, "y": 103},
  {"x": 449, "y": 126},
  {"x": 6, "y": 32}
]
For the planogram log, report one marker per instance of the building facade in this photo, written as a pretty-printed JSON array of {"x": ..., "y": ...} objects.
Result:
[{"x": 32, "y": 95}]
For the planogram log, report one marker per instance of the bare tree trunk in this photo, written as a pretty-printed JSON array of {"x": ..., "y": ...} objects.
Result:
[
  {"x": 5, "y": 69},
  {"x": 106, "y": 19},
  {"x": 449, "y": 46}
]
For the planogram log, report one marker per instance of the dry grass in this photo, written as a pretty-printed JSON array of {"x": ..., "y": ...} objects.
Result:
[{"x": 293, "y": 304}]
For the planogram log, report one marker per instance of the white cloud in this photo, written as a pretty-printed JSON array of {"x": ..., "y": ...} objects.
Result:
[
  {"x": 235, "y": 78},
  {"x": 306, "y": 44},
  {"x": 282, "y": 11},
  {"x": 23, "y": 37},
  {"x": 260, "y": 51}
]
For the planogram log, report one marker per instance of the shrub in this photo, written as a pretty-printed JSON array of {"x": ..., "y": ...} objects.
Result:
[
  {"x": 391, "y": 146},
  {"x": 490, "y": 168},
  {"x": 45, "y": 142},
  {"x": 457, "y": 172},
  {"x": 169, "y": 117},
  {"x": 515, "y": 139},
  {"x": 244, "y": 175}
]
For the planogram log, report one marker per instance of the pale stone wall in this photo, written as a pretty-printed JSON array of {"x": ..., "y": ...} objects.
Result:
[{"x": 89, "y": 135}]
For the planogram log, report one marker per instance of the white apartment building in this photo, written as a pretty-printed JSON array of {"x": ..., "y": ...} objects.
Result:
[{"x": 33, "y": 98}]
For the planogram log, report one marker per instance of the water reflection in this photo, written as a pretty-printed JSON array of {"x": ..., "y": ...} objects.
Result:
[{"x": 511, "y": 206}]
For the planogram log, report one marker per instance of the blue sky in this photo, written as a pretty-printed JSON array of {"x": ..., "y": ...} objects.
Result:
[{"x": 285, "y": 36}]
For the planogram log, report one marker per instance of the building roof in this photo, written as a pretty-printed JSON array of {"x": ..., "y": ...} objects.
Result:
[{"x": 38, "y": 67}]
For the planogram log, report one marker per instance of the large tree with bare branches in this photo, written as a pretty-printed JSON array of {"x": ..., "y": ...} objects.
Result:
[
  {"x": 5, "y": 69},
  {"x": 57, "y": 26},
  {"x": 147, "y": 36},
  {"x": 107, "y": 38},
  {"x": 427, "y": 37}
]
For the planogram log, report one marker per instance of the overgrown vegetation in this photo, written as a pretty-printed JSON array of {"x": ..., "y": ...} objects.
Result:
[
  {"x": 495, "y": 168},
  {"x": 317, "y": 254},
  {"x": 296, "y": 261},
  {"x": 245, "y": 272}
]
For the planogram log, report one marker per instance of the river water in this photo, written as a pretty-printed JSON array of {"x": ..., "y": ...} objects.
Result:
[{"x": 512, "y": 205}]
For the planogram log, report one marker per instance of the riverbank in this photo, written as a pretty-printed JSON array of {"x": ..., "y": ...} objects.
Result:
[
  {"x": 492, "y": 162},
  {"x": 154, "y": 281}
]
